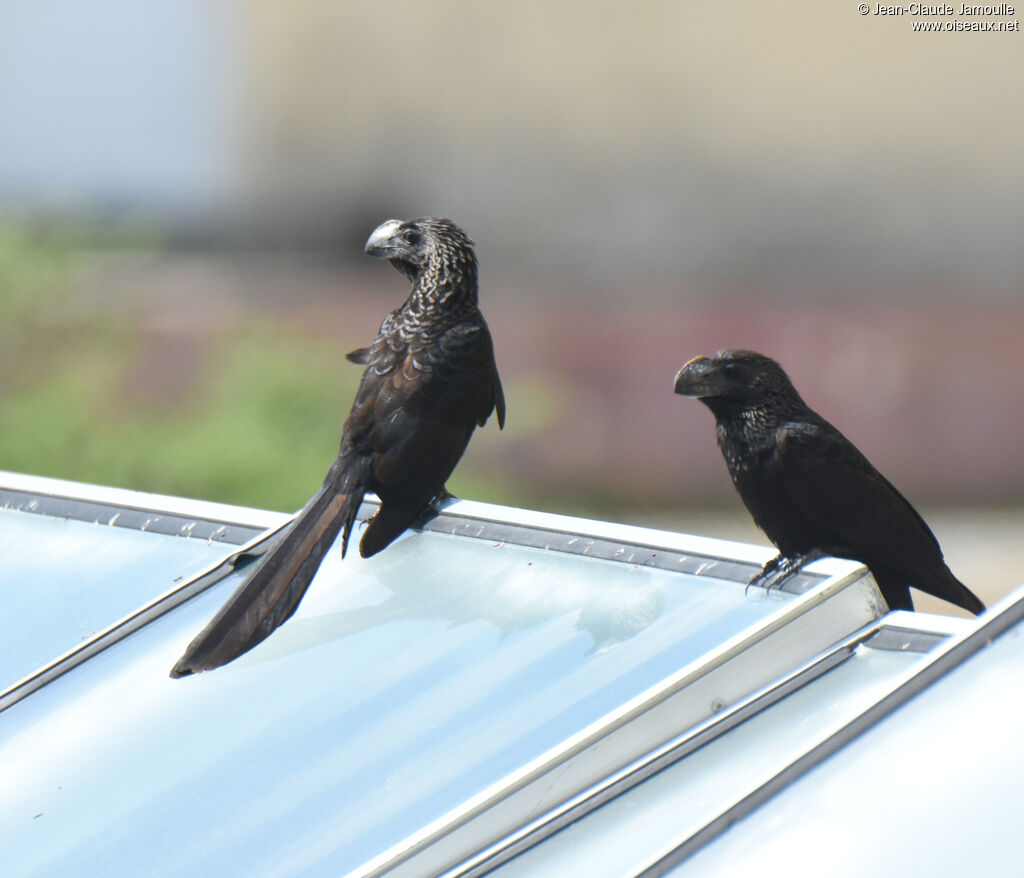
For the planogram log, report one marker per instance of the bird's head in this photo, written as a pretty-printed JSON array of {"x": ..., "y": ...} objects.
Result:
[
  {"x": 410, "y": 245},
  {"x": 734, "y": 379}
]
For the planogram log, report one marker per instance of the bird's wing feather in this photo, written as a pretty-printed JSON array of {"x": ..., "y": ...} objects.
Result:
[
  {"x": 427, "y": 407},
  {"x": 415, "y": 411},
  {"x": 836, "y": 488},
  {"x": 499, "y": 402}
]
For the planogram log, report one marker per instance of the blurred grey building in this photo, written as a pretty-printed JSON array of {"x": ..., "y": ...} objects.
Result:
[{"x": 801, "y": 149}]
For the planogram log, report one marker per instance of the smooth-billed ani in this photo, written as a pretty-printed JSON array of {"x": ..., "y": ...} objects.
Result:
[
  {"x": 808, "y": 488},
  {"x": 430, "y": 380}
]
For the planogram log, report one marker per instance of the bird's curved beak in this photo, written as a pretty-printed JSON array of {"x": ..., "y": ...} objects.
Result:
[
  {"x": 381, "y": 241},
  {"x": 694, "y": 378}
]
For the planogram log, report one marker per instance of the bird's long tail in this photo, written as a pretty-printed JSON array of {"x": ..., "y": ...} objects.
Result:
[
  {"x": 273, "y": 590},
  {"x": 937, "y": 580},
  {"x": 954, "y": 591}
]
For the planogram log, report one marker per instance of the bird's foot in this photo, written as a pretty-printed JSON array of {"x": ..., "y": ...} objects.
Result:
[{"x": 782, "y": 568}]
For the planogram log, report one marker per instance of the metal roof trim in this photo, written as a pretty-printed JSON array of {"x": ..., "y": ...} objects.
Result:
[
  {"x": 125, "y": 626},
  {"x": 972, "y": 636},
  {"x": 141, "y": 500},
  {"x": 816, "y": 621},
  {"x": 924, "y": 638}
]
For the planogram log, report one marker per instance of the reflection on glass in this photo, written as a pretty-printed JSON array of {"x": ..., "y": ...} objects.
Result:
[
  {"x": 62, "y": 581},
  {"x": 403, "y": 685}
]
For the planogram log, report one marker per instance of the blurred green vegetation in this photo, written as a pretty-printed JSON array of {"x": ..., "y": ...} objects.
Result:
[
  {"x": 261, "y": 434},
  {"x": 258, "y": 424}
]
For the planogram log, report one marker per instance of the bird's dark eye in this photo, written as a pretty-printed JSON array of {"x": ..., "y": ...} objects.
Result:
[{"x": 411, "y": 236}]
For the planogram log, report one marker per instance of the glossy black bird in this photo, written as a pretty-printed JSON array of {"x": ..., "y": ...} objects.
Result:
[
  {"x": 808, "y": 488},
  {"x": 430, "y": 380}
]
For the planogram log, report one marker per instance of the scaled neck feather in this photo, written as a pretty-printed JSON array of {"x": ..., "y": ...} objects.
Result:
[{"x": 448, "y": 280}]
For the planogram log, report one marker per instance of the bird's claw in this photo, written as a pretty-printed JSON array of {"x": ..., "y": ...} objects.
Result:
[
  {"x": 765, "y": 573},
  {"x": 780, "y": 569}
]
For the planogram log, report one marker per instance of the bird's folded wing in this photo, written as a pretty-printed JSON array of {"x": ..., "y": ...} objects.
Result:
[{"x": 834, "y": 485}]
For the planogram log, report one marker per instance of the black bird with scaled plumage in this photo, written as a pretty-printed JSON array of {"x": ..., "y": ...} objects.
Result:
[
  {"x": 809, "y": 488},
  {"x": 430, "y": 380}
]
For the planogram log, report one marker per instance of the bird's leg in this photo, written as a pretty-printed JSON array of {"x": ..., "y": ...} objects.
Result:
[
  {"x": 433, "y": 507},
  {"x": 779, "y": 569}
]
